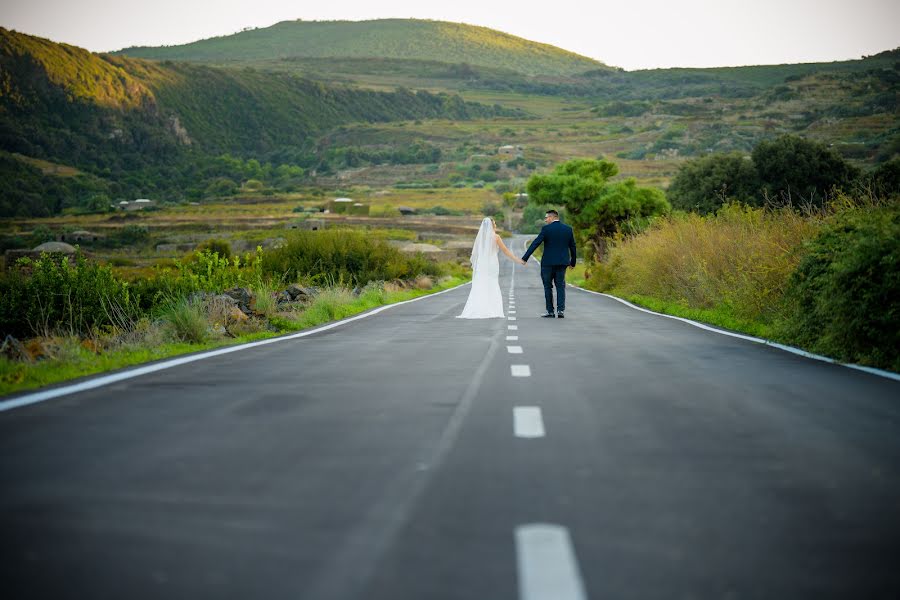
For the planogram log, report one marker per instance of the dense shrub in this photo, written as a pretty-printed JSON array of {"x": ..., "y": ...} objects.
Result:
[
  {"x": 348, "y": 257},
  {"x": 205, "y": 271},
  {"x": 704, "y": 184},
  {"x": 844, "y": 298},
  {"x": 885, "y": 178},
  {"x": 215, "y": 245},
  {"x": 802, "y": 169},
  {"x": 787, "y": 169},
  {"x": 58, "y": 296}
]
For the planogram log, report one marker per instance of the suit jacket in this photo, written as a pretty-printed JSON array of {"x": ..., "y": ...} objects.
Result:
[{"x": 559, "y": 245}]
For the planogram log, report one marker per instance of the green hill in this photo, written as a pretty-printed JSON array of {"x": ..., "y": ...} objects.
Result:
[
  {"x": 409, "y": 39},
  {"x": 145, "y": 127}
]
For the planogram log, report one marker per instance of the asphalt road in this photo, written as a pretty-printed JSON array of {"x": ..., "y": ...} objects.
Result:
[{"x": 398, "y": 457}]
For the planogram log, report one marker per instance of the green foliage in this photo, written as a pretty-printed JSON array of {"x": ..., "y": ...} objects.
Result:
[
  {"x": 78, "y": 361},
  {"x": 597, "y": 210},
  {"x": 220, "y": 186},
  {"x": 619, "y": 108},
  {"x": 844, "y": 297},
  {"x": 28, "y": 192},
  {"x": 787, "y": 169},
  {"x": 350, "y": 257},
  {"x": 355, "y": 156},
  {"x": 441, "y": 211},
  {"x": 131, "y": 235},
  {"x": 489, "y": 209},
  {"x": 264, "y": 293},
  {"x": 210, "y": 271},
  {"x": 205, "y": 271},
  {"x": 39, "y": 235},
  {"x": 58, "y": 296},
  {"x": 533, "y": 217},
  {"x": 704, "y": 184},
  {"x": 575, "y": 183},
  {"x": 623, "y": 207},
  {"x": 216, "y": 246},
  {"x": 793, "y": 167},
  {"x": 885, "y": 178},
  {"x": 186, "y": 320}
]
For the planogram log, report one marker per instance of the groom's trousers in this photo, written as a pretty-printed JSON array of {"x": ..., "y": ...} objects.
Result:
[{"x": 554, "y": 275}]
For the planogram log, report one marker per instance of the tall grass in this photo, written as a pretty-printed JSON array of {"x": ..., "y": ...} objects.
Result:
[
  {"x": 186, "y": 320},
  {"x": 738, "y": 260},
  {"x": 827, "y": 281}
]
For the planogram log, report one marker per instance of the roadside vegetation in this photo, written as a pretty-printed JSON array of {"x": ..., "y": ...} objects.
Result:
[
  {"x": 819, "y": 268},
  {"x": 62, "y": 319}
]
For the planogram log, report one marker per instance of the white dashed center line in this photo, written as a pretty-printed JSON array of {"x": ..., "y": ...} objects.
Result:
[
  {"x": 548, "y": 568},
  {"x": 520, "y": 370},
  {"x": 512, "y": 327},
  {"x": 512, "y": 338},
  {"x": 514, "y": 349},
  {"x": 528, "y": 422}
]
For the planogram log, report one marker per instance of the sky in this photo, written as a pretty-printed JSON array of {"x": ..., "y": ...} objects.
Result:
[{"x": 635, "y": 34}]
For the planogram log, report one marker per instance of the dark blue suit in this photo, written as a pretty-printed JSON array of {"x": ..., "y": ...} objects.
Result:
[{"x": 559, "y": 253}]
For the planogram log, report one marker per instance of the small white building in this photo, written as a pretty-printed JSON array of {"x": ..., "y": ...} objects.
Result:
[{"x": 139, "y": 204}]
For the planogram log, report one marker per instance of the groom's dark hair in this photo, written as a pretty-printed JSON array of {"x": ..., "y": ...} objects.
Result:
[{"x": 552, "y": 212}]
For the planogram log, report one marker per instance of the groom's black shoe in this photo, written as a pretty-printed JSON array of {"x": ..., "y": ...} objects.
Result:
[
  {"x": 560, "y": 315},
  {"x": 549, "y": 315}
]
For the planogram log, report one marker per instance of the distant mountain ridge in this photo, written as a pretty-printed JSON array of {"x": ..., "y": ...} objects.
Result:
[{"x": 411, "y": 39}]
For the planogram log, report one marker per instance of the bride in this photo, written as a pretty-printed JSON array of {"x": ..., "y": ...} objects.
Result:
[{"x": 484, "y": 300}]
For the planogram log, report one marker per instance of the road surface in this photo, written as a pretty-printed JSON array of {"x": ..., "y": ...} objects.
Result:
[{"x": 412, "y": 455}]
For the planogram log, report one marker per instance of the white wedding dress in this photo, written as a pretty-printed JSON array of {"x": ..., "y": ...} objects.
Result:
[{"x": 485, "y": 301}]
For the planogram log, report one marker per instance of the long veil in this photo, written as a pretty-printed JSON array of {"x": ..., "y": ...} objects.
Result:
[
  {"x": 485, "y": 244},
  {"x": 485, "y": 300}
]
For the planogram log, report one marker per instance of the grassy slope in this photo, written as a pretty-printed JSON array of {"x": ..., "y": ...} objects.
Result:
[
  {"x": 223, "y": 110},
  {"x": 387, "y": 38},
  {"x": 84, "y": 75}
]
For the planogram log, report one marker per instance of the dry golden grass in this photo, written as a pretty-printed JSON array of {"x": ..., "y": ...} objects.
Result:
[{"x": 739, "y": 259}]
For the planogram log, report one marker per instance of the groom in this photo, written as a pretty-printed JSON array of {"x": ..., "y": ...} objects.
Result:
[{"x": 559, "y": 253}]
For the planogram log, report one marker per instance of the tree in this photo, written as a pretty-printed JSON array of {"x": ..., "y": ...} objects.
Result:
[
  {"x": 885, "y": 178},
  {"x": 705, "y": 184},
  {"x": 790, "y": 166},
  {"x": 597, "y": 210}
]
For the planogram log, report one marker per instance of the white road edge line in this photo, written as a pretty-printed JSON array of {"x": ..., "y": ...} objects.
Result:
[
  {"x": 547, "y": 566},
  {"x": 755, "y": 340},
  {"x": 103, "y": 380},
  {"x": 528, "y": 422}
]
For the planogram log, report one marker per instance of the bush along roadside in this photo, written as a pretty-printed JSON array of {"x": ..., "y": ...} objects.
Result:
[
  {"x": 826, "y": 281},
  {"x": 61, "y": 318}
]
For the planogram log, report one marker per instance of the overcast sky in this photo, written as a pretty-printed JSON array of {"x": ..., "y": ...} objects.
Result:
[{"x": 635, "y": 34}]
